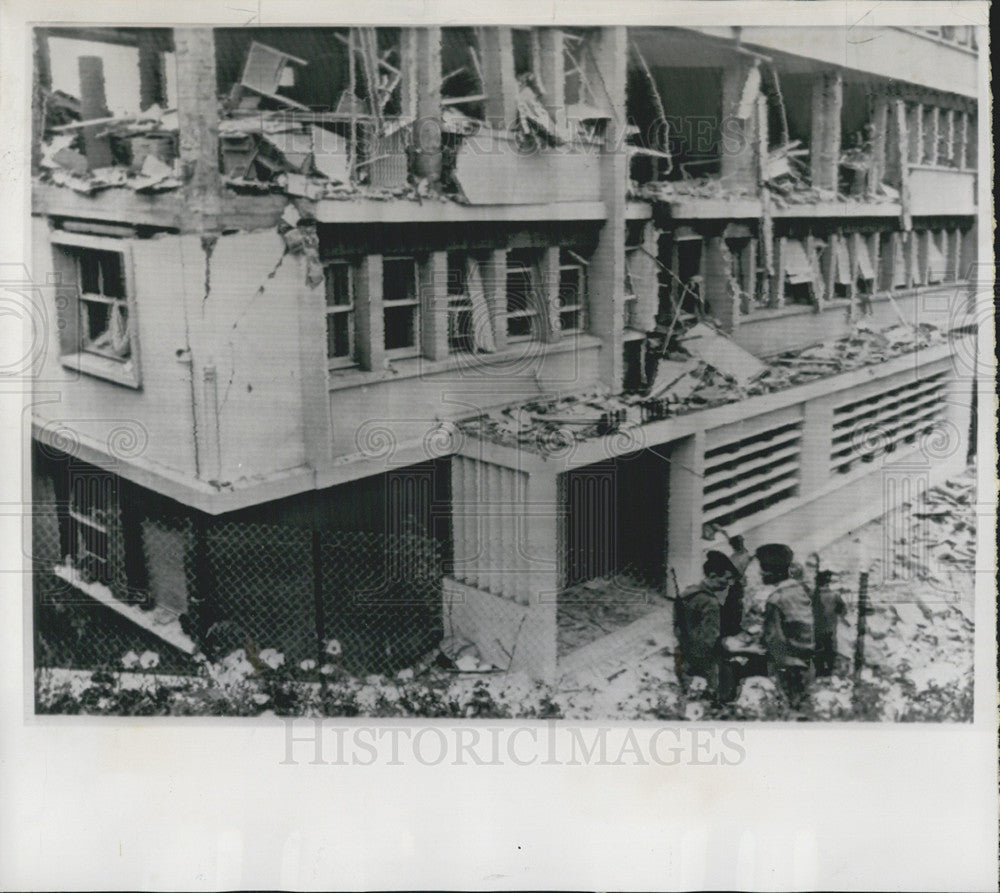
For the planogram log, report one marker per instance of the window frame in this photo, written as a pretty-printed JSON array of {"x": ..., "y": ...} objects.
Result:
[
  {"x": 349, "y": 309},
  {"x": 523, "y": 263},
  {"x": 66, "y": 250},
  {"x": 580, "y": 307},
  {"x": 408, "y": 351},
  {"x": 460, "y": 302}
]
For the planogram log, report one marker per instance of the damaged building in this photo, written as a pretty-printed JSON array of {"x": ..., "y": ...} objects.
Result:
[{"x": 480, "y": 333}]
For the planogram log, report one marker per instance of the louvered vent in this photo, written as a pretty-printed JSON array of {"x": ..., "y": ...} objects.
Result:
[
  {"x": 864, "y": 429},
  {"x": 746, "y": 476}
]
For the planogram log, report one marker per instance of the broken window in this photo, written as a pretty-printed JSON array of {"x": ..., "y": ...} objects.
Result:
[
  {"x": 892, "y": 255},
  {"x": 799, "y": 272},
  {"x": 400, "y": 306},
  {"x": 339, "y": 313},
  {"x": 864, "y": 248},
  {"x": 839, "y": 257},
  {"x": 522, "y": 317},
  {"x": 97, "y": 319},
  {"x": 934, "y": 263},
  {"x": 460, "y": 330},
  {"x": 103, "y": 310},
  {"x": 741, "y": 277},
  {"x": 572, "y": 291},
  {"x": 685, "y": 286}
]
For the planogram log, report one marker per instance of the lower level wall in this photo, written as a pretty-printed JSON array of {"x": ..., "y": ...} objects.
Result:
[{"x": 509, "y": 635}]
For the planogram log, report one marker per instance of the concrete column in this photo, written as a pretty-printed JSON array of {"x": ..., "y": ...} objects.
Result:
[
  {"x": 93, "y": 104},
  {"x": 427, "y": 135},
  {"x": 814, "y": 458},
  {"x": 607, "y": 264},
  {"x": 497, "y": 58},
  {"x": 369, "y": 324},
  {"x": 553, "y": 73},
  {"x": 548, "y": 287},
  {"x": 646, "y": 281},
  {"x": 539, "y": 549},
  {"x": 316, "y": 420},
  {"x": 686, "y": 499},
  {"x": 408, "y": 49},
  {"x": 198, "y": 118},
  {"x": 739, "y": 127},
  {"x": 41, "y": 85},
  {"x": 433, "y": 286},
  {"x": 720, "y": 300},
  {"x": 494, "y": 272},
  {"x": 824, "y": 149},
  {"x": 152, "y": 76},
  {"x": 880, "y": 123}
]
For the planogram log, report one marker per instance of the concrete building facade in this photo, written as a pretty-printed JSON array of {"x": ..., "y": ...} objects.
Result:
[{"x": 486, "y": 224}]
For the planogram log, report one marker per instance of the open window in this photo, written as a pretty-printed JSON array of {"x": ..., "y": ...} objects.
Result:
[
  {"x": 400, "y": 307},
  {"x": 97, "y": 317}
]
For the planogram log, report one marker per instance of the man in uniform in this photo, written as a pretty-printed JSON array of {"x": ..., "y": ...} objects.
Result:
[
  {"x": 788, "y": 622},
  {"x": 698, "y": 622}
]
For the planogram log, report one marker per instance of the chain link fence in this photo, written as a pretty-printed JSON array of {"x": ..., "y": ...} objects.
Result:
[{"x": 105, "y": 578}]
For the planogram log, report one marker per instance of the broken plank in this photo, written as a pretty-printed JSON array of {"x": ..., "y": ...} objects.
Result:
[{"x": 722, "y": 354}]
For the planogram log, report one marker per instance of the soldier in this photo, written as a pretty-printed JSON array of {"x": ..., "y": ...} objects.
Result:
[
  {"x": 698, "y": 621},
  {"x": 828, "y": 608},
  {"x": 788, "y": 622}
]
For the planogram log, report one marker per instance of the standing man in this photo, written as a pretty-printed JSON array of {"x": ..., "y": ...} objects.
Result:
[
  {"x": 788, "y": 623},
  {"x": 698, "y": 622}
]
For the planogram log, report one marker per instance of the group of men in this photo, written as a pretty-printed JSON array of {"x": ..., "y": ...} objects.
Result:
[{"x": 787, "y": 636}]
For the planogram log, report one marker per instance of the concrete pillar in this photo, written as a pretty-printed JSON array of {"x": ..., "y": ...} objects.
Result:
[
  {"x": 686, "y": 498},
  {"x": 824, "y": 149},
  {"x": 739, "y": 127},
  {"x": 152, "y": 76},
  {"x": 553, "y": 73},
  {"x": 198, "y": 119},
  {"x": 721, "y": 302},
  {"x": 369, "y": 324},
  {"x": 427, "y": 135},
  {"x": 316, "y": 420},
  {"x": 494, "y": 272},
  {"x": 880, "y": 123},
  {"x": 540, "y": 551},
  {"x": 408, "y": 49},
  {"x": 93, "y": 104},
  {"x": 41, "y": 85},
  {"x": 433, "y": 286},
  {"x": 548, "y": 286},
  {"x": 607, "y": 264},
  {"x": 497, "y": 59}
]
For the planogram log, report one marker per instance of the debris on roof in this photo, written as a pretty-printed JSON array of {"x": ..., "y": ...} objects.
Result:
[
  {"x": 684, "y": 382},
  {"x": 722, "y": 353}
]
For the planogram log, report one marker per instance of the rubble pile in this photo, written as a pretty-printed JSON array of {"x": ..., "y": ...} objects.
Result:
[
  {"x": 710, "y": 187},
  {"x": 701, "y": 369},
  {"x": 785, "y": 177},
  {"x": 143, "y": 153}
]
